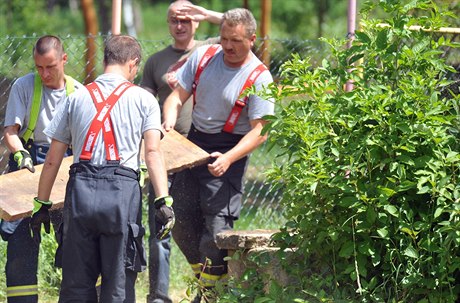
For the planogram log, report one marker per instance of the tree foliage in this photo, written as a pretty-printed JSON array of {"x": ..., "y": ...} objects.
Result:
[{"x": 371, "y": 184}]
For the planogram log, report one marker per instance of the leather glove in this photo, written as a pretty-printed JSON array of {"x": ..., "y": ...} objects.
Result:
[
  {"x": 40, "y": 215},
  {"x": 24, "y": 160},
  {"x": 164, "y": 216}
]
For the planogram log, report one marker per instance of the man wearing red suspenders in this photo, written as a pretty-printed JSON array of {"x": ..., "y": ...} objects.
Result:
[
  {"x": 159, "y": 78},
  {"x": 102, "y": 232},
  {"x": 226, "y": 124}
]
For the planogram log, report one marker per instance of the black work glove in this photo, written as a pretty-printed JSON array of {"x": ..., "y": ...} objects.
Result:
[
  {"x": 40, "y": 215},
  {"x": 164, "y": 216},
  {"x": 24, "y": 160}
]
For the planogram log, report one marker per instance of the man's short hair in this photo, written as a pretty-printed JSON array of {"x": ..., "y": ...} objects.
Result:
[
  {"x": 119, "y": 49},
  {"x": 239, "y": 16},
  {"x": 46, "y": 43}
]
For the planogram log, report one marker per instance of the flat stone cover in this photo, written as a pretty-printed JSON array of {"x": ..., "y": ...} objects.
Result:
[{"x": 244, "y": 239}]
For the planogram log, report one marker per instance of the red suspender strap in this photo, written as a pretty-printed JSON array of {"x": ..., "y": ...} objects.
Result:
[
  {"x": 240, "y": 103},
  {"x": 102, "y": 119},
  {"x": 210, "y": 52}
]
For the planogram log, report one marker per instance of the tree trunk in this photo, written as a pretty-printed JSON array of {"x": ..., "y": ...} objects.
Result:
[
  {"x": 91, "y": 30},
  {"x": 105, "y": 12},
  {"x": 322, "y": 8}
]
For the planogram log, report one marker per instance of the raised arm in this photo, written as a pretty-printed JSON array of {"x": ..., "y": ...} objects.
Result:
[{"x": 199, "y": 13}]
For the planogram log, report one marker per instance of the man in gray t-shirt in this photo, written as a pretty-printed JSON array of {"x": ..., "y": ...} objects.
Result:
[
  {"x": 159, "y": 78},
  {"x": 25, "y": 139},
  {"x": 208, "y": 197},
  {"x": 102, "y": 230}
]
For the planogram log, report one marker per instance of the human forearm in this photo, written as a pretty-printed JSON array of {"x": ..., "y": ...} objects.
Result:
[
  {"x": 157, "y": 173},
  {"x": 155, "y": 163},
  {"x": 214, "y": 17},
  {"x": 199, "y": 13},
  {"x": 247, "y": 144},
  {"x": 50, "y": 169},
  {"x": 11, "y": 138},
  {"x": 172, "y": 107}
]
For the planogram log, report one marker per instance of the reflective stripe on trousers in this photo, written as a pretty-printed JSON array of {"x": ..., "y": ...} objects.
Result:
[{"x": 22, "y": 290}]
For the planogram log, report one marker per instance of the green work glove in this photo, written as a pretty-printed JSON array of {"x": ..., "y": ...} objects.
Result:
[
  {"x": 40, "y": 215},
  {"x": 24, "y": 160},
  {"x": 142, "y": 172},
  {"x": 164, "y": 216}
]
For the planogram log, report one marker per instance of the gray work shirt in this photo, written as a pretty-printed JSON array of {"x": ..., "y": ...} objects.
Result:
[
  {"x": 136, "y": 111},
  {"x": 20, "y": 103},
  {"x": 218, "y": 89}
]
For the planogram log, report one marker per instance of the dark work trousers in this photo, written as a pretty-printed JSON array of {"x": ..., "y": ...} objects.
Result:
[
  {"x": 102, "y": 234},
  {"x": 159, "y": 253},
  {"x": 22, "y": 252},
  {"x": 205, "y": 205}
]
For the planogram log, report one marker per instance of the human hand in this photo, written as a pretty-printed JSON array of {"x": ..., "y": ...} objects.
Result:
[
  {"x": 167, "y": 125},
  {"x": 164, "y": 216},
  {"x": 24, "y": 160},
  {"x": 219, "y": 166},
  {"x": 40, "y": 215},
  {"x": 192, "y": 12}
]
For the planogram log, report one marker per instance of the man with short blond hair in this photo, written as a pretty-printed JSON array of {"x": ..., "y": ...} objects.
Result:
[{"x": 32, "y": 103}]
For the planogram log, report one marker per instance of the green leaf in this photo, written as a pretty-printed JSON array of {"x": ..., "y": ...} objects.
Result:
[
  {"x": 335, "y": 151},
  {"x": 411, "y": 252},
  {"x": 438, "y": 212},
  {"x": 382, "y": 39},
  {"x": 391, "y": 210},
  {"x": 371, "y": 215},
  {"x": 387, "y": 192},
  {"x": 410, "y": 232},
  {"x": 383, "y": 232},
  {"x": 363, "y": 37},
  {"x": 406, "y": 185},
  {"x": 346, "y": 250},
  {"x": 313, "y": 187}
]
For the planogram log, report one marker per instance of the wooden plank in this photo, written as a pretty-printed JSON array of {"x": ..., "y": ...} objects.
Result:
[{"x": 17, "y": 189}]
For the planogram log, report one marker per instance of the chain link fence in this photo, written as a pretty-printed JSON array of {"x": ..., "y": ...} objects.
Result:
[{"x": 259, "y": 200}]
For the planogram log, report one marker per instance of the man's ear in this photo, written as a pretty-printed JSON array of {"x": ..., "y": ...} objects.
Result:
[
  {"x": 253, "y": 39},
  {"x": 64, "y": 58}
]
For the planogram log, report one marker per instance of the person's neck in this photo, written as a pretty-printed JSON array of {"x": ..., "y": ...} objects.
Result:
[
  {"x": 117, "y": 69},
  {"x": 60, "y": 84},
  {"x": 184, "y": 45}
]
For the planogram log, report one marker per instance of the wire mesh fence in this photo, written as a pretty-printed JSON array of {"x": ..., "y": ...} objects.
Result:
[
  {"x": 258, "y": 200},
  {"x": 16, "y": 58}
]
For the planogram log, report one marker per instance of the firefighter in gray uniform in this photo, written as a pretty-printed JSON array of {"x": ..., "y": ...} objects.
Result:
[
  {"x": 228, "y": 126},
  {"x": 102, "y": 231},
  {"x": 32, "y": 103}
]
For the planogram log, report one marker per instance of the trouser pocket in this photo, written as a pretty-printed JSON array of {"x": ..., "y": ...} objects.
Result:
[
  {"x": 7, "y": 228},
  {"x": 135, "y": 253}
]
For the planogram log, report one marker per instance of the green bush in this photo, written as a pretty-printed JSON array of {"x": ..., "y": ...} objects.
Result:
[{"x": 371, "y": 185}]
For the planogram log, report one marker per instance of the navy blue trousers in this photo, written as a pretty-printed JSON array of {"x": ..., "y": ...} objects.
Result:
[{"x": 22, "y": 252}]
